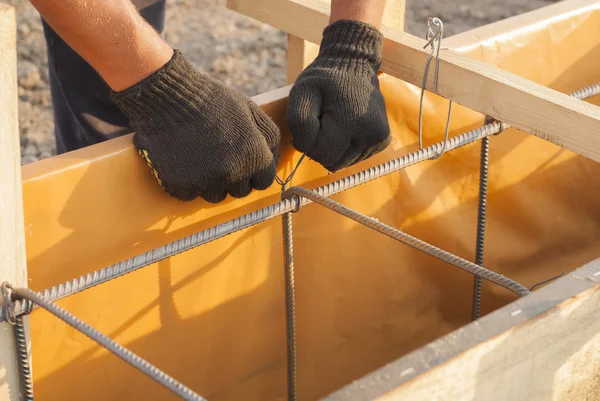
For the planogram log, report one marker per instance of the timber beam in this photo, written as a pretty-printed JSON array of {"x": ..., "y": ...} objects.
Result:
[
  {"x": 13, "y": 267},
  {"x": 551, "y": 115}
]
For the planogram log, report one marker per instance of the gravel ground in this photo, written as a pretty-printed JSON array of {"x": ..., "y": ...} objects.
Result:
[{"x": 247, "y": 55}]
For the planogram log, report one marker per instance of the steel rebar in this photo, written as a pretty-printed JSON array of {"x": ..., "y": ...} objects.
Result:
[
  {"x": 481, "y": 218},
  {"x": 248, "y": 220},
  {"x": 410, "y": 240},
  {"x": 129, "y": 265},
  {"x": 290, "y": 303},
  {"x": 23, "y": 355},
  {"x": 126, "y": 355}
]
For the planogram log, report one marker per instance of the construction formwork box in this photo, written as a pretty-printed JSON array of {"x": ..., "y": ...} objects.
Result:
[{"x": 375, "y": 319}]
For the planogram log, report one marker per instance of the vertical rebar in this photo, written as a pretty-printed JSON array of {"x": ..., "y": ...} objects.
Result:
[
  {"x": 117, "y": 349},
  {"x": 23, "y": 355},
  {"x": 290, "y": 303},
  {"x": 481, "y": 215}
]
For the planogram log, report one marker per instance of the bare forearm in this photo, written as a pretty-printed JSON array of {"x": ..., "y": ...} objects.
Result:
[
  {"x": 110, "y": 35},
  {"x": 369, "y": 11}
]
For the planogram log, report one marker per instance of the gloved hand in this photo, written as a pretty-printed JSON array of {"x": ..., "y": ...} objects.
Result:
[
  {"x": 336, "y": 112},
  {"x": 199, "y": 137}
]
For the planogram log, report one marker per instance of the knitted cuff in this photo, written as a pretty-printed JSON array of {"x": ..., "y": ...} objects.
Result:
[
  {"x": 168, "y": 92},
  {"x": 347, "y": 42}
]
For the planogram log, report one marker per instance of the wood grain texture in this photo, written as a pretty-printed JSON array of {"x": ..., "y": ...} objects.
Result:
[
  {"x": 531, "y": 107},
  {"x": 12, "y": 239},
  {"x": 393, "y": 15},
  {"x": 300, "y": 53},
  {"x": 545, "y": 346}
]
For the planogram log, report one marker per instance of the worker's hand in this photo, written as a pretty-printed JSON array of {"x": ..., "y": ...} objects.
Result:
[
  {"x": 199, "y": 137},
  {"x": 336, "y": 112}
]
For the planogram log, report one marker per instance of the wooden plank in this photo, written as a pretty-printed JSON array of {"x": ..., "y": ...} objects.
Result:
[
  {"x": 12, "y": 238},
  {"x": 541, "y": 347},
  {"x": 393, "y": 15},
  {"x": 302, "y": 52},
  {"x": 534, "y": 108},
  {"x": 521, "y": 24}
]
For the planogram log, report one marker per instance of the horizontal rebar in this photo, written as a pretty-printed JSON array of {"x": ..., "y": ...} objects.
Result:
[
  {"x": 248, "y": 220},
  {"x": 408, "y": 239},
  {"x": 155, "y": 255}
]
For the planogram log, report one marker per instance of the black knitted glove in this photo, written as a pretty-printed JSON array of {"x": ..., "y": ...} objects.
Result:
[
  {"x": 199, "y": 137},
  {"x": 336, "y": 112}
]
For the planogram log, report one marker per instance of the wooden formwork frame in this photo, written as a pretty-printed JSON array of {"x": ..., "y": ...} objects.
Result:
[
  {"x": 537, "y": 109},
  {"x": 441, "y": 369},
  {"x": 12, "y": 233},
  {"x": 543, "y": 346}
]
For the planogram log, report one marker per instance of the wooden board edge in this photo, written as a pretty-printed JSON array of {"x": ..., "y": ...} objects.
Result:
[
  {"x": 547, "y": 113},
  {"x": 425, "y": 361},
  {"x": 561, "y": 10},
  {"x": 13, "y": 268},
  {"x": 300, "y": 53}
]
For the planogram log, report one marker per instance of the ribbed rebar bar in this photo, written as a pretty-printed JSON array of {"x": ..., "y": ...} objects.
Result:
[
  {"x": 587, "y": 92},
  {"x": 126, "y": 355},
  {"x": 410, "y": 240},
  {"x": 239, "y": 223},
  {"x": 23, "y": 355},
  {"x": 250, "y": 219},
  {"x": 290, "y": 303},
  {"x": 481, "y": 217}
]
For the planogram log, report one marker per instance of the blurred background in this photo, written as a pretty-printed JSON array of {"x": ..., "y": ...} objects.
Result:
[{"x": 245, "y": 54}]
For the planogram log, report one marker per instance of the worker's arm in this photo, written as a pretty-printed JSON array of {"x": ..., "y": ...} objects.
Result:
[
  {"x": 110, "y": 35},
  {"x": 336, "y": 112},
  {"x": 369, "y": 11},
  {"x": 199, "y": 137}
]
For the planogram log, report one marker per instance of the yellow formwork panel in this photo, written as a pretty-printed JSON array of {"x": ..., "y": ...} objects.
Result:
[{"x": 214, "y": 317}]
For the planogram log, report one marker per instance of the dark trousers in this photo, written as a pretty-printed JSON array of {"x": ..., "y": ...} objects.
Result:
[{"x": 84, "y": 113}]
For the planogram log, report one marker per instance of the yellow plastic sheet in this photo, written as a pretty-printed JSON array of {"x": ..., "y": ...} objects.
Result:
[{"x": 214, "y": 317}]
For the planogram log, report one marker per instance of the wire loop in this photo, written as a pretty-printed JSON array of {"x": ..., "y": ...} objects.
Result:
[
  {"x": 546, "y": 281},
  {"x": 491, "y": 120},
  {"x": 284, "y": 183},
  {"x": 9, "y": 306},
  {"x": 434, "y": 36}
]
